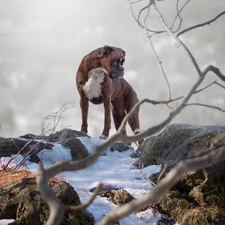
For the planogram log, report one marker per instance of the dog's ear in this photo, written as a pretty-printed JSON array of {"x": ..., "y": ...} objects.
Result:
[
  {"x": 124, "y": 53},
  {"x": 106, "y": 50}
]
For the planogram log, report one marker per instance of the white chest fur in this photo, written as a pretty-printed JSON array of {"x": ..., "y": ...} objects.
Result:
[{"x": 92, "y": 88}]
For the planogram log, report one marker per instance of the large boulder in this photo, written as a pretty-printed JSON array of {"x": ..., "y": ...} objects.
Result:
[
  {"x": 178, "y": 142},
  {"x": 199, "y": 197},
  {"x": 20, "y": 200}
]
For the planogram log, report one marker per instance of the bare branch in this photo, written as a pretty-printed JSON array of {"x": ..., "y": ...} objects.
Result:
[
  {"x": 179, "y": 42},
  {"x": 201, "y": 24},
  {"x": 154, "y": 51},
  {"x": 85, "y": 205},
  {"x": 178, "y": 15},
  {"x": 204, "y": 88},
  {"x": 146, "y": 177},
  {"x": 205, "y": 105},
  {"x": 164, "y": 123},
  {"x": 19, "y": 151},
  {"x": 55, "y": 117},
  {"x": 65, "y": 165},
  {"x": 159, "y": 62},
  {"x": 216, "y": 71},
  {"x": 220, "y": 85},
  {"x": 139, "y": 15},
  {"x": 27, "y": 155},
  {"x": 57, "y": 209}
]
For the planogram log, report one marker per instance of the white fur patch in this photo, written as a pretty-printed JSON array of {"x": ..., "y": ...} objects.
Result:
[{"x": 93, "y": 87}]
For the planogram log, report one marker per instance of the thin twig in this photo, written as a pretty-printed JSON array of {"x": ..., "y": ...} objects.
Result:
[
  {"x": 220, "y": 85},
  {"x": 139, "y": 15},
  {"x": 178, "y": 16},
  {"x": 201, "y": 24},
  {"x": 89, "y": 202},
  {"x": 179, "y": 42},
  {"x": 159, "y": 62},
  {"x": 205, "y": 105}
]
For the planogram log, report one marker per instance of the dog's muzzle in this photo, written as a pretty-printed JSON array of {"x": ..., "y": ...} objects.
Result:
[{"x": 119, "y": 72}]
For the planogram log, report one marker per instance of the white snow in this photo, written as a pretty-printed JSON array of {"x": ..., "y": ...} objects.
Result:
[
  {"x": 6, "y": 221},
  {"x": 113, "y": 168}
]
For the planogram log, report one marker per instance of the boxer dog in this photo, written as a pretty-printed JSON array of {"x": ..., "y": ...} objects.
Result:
[{"x": 99, "y": 80}]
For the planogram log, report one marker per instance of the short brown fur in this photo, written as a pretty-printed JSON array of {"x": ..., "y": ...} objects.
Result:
[{"x": 116, "y": 93}]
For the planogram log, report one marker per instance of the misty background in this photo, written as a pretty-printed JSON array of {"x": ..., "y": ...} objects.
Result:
[{"x": 43, "y": 41}]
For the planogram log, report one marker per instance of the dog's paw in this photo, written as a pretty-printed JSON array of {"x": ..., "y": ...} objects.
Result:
[{"x": 103, "y": 137}]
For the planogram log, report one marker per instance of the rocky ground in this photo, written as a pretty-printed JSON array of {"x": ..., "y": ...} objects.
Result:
[{"x": 198, "y": 198}]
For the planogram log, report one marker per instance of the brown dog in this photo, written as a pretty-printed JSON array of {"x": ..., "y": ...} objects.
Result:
[{"x": 99, "y": 80}]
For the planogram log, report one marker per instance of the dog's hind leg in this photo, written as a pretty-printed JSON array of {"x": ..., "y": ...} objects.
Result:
[{"x": 134, "y": 120}]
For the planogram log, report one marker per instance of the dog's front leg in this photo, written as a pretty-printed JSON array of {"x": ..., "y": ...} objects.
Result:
[
  {"x": 84, "y": 111},
  {"x": 106, "y": 94}
]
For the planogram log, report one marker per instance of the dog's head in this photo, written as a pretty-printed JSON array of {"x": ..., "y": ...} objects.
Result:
[{"x": 112, "y": 60}]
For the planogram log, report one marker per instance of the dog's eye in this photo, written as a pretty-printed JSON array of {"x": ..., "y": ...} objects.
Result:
[
  {"x": 116, "y": 62},
  {"x": 122, "y": 62}
]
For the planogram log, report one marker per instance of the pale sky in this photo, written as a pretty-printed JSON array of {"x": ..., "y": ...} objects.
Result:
[{"x": 43, "y": 41}]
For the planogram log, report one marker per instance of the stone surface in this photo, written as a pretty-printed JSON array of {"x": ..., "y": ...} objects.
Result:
[
  {"x": 57, "y": 136},
  {"x": 78, "y": 150},
  {"x": 65, "y": 133},
  {"x": 180, "y": 141},
  {"x": 118, "y": 146}
]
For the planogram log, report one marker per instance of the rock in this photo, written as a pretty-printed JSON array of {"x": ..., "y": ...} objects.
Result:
[
  {"x": 11, "y": 146},
  {"x": 120, "y": 147},
  {"x": 116, "y": 195},
  {"x": 199, "y": 198},
  {"x": 187, "y": 211},
  {"x": 32, "y": 144},
  {"x": 178, "y": 142},
  {"x": 78, "y": 150},
  {"x": 20, "y": 200},
  {"x": 57, "y": 136},
  {"x": 65, "y": 133},
  {"x": 33, "y": 137}
]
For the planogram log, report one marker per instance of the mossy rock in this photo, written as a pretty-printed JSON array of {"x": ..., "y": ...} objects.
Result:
[
  {"x": 173, "y": 205},
  {"x": 199, "y": 196},
  {"x": 20, "y": 200},
  {"x": 187, "y": 212},
  {"x": 200, "y": 216}
]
